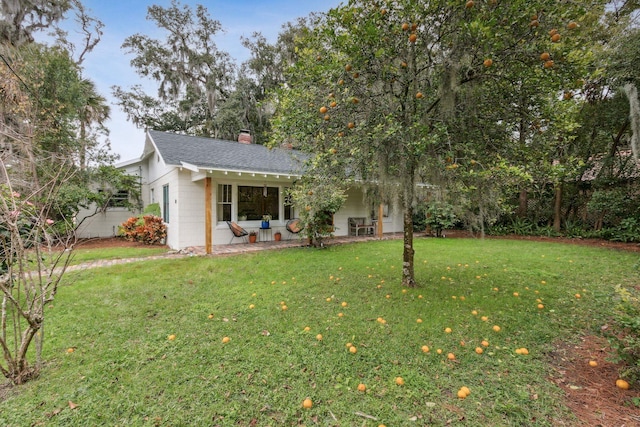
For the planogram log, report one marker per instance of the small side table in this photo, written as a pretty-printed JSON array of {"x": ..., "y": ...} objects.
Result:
[{"x": 265, "y": 234}]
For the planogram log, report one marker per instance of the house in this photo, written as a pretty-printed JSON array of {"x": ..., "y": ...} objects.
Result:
[{"x": 201, "y": 183}]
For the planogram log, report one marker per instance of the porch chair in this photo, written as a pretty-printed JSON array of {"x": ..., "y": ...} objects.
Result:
[
  {"x": 237, "y": 231},
  {"x": 293, "y": 226}
]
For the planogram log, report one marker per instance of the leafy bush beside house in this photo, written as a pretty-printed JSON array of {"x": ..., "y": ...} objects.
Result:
[{"x": 148, "y": 229}]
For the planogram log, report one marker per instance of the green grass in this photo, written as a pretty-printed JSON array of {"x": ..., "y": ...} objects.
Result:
[
  {"x": 87, "y": 255},
  {"x": 125, "y": 371}
]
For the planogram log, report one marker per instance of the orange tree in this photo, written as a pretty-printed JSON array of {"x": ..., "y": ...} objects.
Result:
[{"x": 383, "y": 91}]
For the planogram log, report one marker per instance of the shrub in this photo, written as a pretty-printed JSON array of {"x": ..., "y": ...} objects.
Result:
[
  {"x": 152, "y": 209},
  {"x": 148, "y": 229},
  {"x": 440, "y": 216},
  {"x": 624, "y": 335}
]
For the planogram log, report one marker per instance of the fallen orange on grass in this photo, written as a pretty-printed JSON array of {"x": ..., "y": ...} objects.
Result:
[
  {"x": 447, "y": 330},
  {"x": 425, "y": 349},
  {"x": 353, "y": 350},
  {"x": 496, "y": 328},
  {"x": 362, "y": 387},
  {"x": 593, "y": 363},
  {"x": 479, "y": 350},
  {"x": 319, "y": 337},
  {"x": 451, "y": 356},
  {"x": 171, "y": 337},
  {"x": 226, "y": 340},
  {"x": 399, "y": 381},
  {"x": 464, "y": 392},
  {"x": 307, "y": 403}
]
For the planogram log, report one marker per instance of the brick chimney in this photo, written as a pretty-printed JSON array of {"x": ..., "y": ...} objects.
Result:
[{"x": 245, "y": 136}]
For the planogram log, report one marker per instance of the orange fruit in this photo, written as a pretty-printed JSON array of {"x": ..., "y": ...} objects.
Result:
[
  {"x": 555, "y": 38},
  {"x": 622, "y": 384},
  {"x": 210, "y": 316},
  {"x": 578, "y": 296},
  {"x": 405, "y": 26},
  {"x": 545, "y": 56},
  {"x": 413, "y": 37},
  {"x": 351, "y": 125},
  {"x": 479, "y": 350},
  {"x": 462, "y": 394},
  {"x": 344, "y": 304},
  {"x": 403, "y": 64},
  {"x": 485, "y": 343},
  {"x": 488, "y": 62},
  {"x": 439, "y": 351},
  {"x": 353, "y": 350},
  {"x": 484, "y": 318},
  {"x": 70, "y": 350},
  {"x": 171, "y": 337},
  {"x": 515, "y": 294},
  {"x": 399, "y": 381},
  {"x": 348, "y": 67},
  {"x": 425, "y": 349},
  {"x": 593, "y": 363},
  {"x": 356, "y": 75},
  {"x": 326, "y": 117},
  {"x": 348, "y": 345},
  {"x": 534, "y": 23},
  {"x": 252, "y": 306},
  {"x": 319, "y": 337},
  {"x": 323, "y": 110},
  {"x": 333, "y": 104},
  {"x": 418, "y": 320},
  {"x": 362, "y": 387},
  {"x": 496, "y": 328},
  {"x": 469, "y": 4},
  {"x": 540, "y": 306},
  {"x": 307, "y": 329},
  {"x": 466, "y": 390},
  {"x": 548, "y": 64},
  {"x": 225, "y": 340},
  {"x": 474, "y": 312},
  {"x": 307, "y": 403},
  {"x": 572, "y": 25},
  {"x": 340, "y": 314},
  {"x": 329, "y": 299},
  {"x": 419, "y": 95},
  {"x": 447, "y": 330},
  {"x": 553, "y": 32},
  {"x": 284, "y": 308},
  {"x": 451, "y": 356}
]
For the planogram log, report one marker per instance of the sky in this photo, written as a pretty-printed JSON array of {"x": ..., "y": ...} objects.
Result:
[{"x": 108, "y": 65}]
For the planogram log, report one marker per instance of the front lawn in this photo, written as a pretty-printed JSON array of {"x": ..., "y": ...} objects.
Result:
[{"x": 289, "y": 315}]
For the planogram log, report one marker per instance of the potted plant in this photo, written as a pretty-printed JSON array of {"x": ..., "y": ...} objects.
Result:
[
  {"x": 265, "y": 221},
  {"x": 253, "y": 236},
  {"x": 277, "y": 236}
]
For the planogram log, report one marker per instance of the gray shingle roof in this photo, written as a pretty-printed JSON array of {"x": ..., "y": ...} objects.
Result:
[{"x": 209, "y": 153}]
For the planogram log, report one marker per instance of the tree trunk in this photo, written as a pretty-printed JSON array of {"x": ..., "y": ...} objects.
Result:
[
  {"x": 523, "y": 200},
  {"x": 557, "y": 211},
  {"x": 408, "y": 274}
]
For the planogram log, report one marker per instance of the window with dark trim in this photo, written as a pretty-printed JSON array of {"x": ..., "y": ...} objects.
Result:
[
  {"x": 165, "y": 203},
  {"x": 254, "y": 202}
]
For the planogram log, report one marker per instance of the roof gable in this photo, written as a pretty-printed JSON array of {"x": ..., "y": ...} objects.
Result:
[{"x": 217, "y": 154}]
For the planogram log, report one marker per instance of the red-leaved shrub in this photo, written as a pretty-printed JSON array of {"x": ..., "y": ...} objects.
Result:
[{"x": 148, "y": 229}]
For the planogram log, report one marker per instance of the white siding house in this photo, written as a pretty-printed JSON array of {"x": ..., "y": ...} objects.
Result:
[{"x": 199, "y": 181}]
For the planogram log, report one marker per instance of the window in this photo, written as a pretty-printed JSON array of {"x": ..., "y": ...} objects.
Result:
[
  {"x": 224, "y": 202},
  {"x": 118, "y": 199},
  {"x": 253, "y": 202},
  {"x": 152, "y": 196},
  {"x": 288, "y": 205},
  {"x": 165, "y": 203}
]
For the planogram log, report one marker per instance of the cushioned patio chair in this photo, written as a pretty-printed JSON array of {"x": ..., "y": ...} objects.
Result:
[
  {"x": 293, "y": 226},
  {"x": 237, "y": 231}
]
